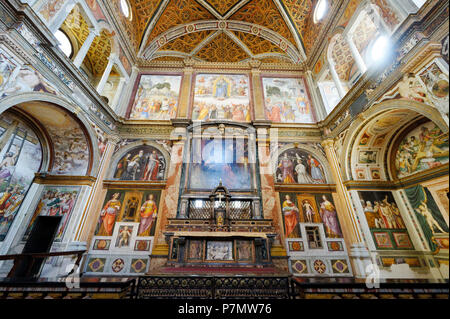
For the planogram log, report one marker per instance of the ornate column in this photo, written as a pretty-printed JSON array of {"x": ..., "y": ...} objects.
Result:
[
  {"x": 336, "y": 79},
  {"x": 61, "y": 16},
  {"x": 186, "y": 88},
  {"x": 359, "y": 253},
  {"x": 106, "y": 73},
  {"x": 89, "y": 219},
  {"x": 356, "y": 55},
  {"x": 258, "y": 93},
  {"x": 169, "y": 196},
  {"x": 128, "y": 91},
  {"x": 85, "y": 47},
  {"x": 117, "y": 97},
  {"x": 316, "y": 99},
  {"x": 270, "y": 198}
]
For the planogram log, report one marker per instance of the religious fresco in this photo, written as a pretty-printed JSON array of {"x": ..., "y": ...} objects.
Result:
[
  {"x": 423, "y": 148},
  {"x": 385, "y": 221},
  {"x": 56, "y": 201},
  {"x": 287, "y": 101},
  {"x": 69, "y": 141},
  {"x": 218, "y": 160},
  {"x": 428, "y": 214},
  {"x": 134, "y": 210},
  {"x": 221, "y": 97},
  {"x": 156, "y": 97},
  {"x": 50, "y": 8},
  {"x": 21, "y": 157},
  {"x": 25, "y": 79},
  {"x": 309, "y": 209},
  {"x": 142, "y": 163},
  {"x": 296, "y": 166}
]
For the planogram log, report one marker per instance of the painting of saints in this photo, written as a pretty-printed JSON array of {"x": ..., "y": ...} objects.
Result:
[
  {"x": 121, "y": 167},
  {"x": 143, "y": 163},
  {"x": 329, "y": 218},
  {"x": 149, "y": 212},
  {"x": 290, "y": 212},
  {"x": 287, "y": 169},
  {"x": 108, "y": 215}
]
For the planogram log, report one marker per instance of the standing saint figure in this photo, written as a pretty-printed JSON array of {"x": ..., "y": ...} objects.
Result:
[
  {"x": 432, "y": 223},
  {"x": 149, "y": 212},
  {"x": 329, "y": 217},
  {"x": 151, "y": 169},
  {"x": 290, "y": 212},
  {"x": 108, "y": 215},
  {"x": 302, "y": 175},
  {"x": 287, "y": 169},
  {"x": 316, "y": 172}
]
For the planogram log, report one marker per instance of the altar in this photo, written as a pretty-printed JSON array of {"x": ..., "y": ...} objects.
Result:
[{"x": 225, "y": 232}]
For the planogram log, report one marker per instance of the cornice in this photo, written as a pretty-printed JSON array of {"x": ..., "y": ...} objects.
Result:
[{"x": 47, "y": 179}]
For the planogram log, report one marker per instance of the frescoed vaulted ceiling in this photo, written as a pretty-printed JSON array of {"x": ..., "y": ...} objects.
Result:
[{"x": 257, "y": 29}]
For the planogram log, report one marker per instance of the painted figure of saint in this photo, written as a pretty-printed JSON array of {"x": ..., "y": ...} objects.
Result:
[
  {"x": 221, "y": 89},
  {"x": 122, "y": 166},
  {"x": 329, "y": 218},
  {"x": 7, "y": 166},
  {"x": 287, "y": 168},
  {"x": 108, "y": 215},
  {"x": 290, "y": 212},
  {"x": 432, "y": 223},
  {"x": 149, "y": 212},
  {"x": 151, "y": 170},
  {"x": 316, "y": 172},
  {"x": 310, "y": 214},
  {"x": 302, "y": 175}
]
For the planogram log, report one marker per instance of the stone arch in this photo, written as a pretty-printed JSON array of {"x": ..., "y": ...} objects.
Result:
[
  {"x": 124, "y": 150},
  {"x": 229, "y": 25},
  {"x": 73, "y": 110},
  {"x": 377, "y": 111}
]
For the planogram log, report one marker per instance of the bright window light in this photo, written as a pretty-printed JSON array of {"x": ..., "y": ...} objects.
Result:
[
  {"x": 64, "y": 43},
  {"x": 380, "y": 49},
  {"x": 321, "y": 10},
  {"x": 419, "y": 3},
  {"x": 124, "y": 6}
]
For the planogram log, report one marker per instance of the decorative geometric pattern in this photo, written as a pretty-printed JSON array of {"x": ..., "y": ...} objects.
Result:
[
  {"x": 118, "y": 265},
  {"x": 335, "y": 246},
  {"x": 187, "y": 42},
  {"x": 222, "y": 6},
  {"x": 340, "y": 266},
  {"x": 138, "y": 266},
  {"x": 300, "y": 266},
  {"x": 364, "y": 33},
  {"x": 342, "y": 57},
  {"x": 256, "y": 44},
  {"x": 296, "y": 246},
  {"x": 264, "y": 13},
  {"x": 320, "y": 267},
  {"x": 179, "y": 12},
  {"x": 77, "y": 25},
  {"x": 167, "y": 59},
  {"x": 96, "y": 264},
  {"x": 222, "y": 49},
  {"x": 99, "y": 53},
  {"x": 300, "y": 11}
]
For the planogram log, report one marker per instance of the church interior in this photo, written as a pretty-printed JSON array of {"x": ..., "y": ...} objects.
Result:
[{"x": 156, "y": 148}]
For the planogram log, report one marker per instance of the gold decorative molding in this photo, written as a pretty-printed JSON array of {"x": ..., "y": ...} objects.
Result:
[
  {"x": 134, "y": 185},
  {"x": 46, "y": 179},
  {"x": 307, "y": 188},
  {"x": 278, "y": 251},
  {"x": 160, "y": 250},
  {"x": 406, "y": 182}
]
